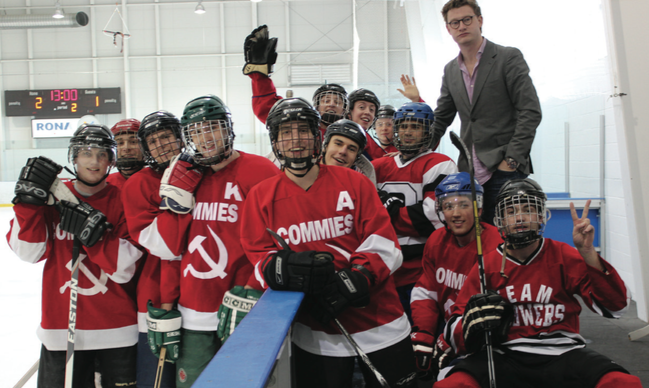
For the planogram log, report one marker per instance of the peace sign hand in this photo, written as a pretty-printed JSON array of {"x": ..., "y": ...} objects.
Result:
[{"x": 583, "y": 235}]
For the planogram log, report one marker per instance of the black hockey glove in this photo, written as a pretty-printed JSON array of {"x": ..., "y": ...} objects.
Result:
[
  {"x": 347, "y": 288},
  {"x": 391, "y": 203},
  {"x": 485, "y": 312},
  {"x": 308, "y": 271},
  {"x": 83, "y": 221},
  {"x": 259, "y": 52},
  {"x": 34, "y": 182},
  {"x": 423, "y": 344}
]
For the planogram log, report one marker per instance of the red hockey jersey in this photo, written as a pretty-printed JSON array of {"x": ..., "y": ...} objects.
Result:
[
  {"x": 116, "y": 179},
  {"x": 542, "y": 291},
  {"x": 340, "y": 213},
  {"x": 213, "y": 261},
  {"x": 414, "y": 181},
  {"x": 446, "y": 266},
  {"x": 106, "y": 311},
  {"x": 141, "y": 208}
]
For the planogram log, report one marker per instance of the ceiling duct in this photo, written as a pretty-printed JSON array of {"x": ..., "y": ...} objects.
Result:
[{"x": 9, "y": 22}]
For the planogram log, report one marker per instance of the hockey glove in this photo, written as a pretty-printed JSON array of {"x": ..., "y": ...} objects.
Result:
[
  {"x": 486, "y": 312},
  {"x": 347, "y": 288},
  {"x": 391, "y": 203},
  {"x": 163, "y": 330},
  {"x": 422, "y": 344},
  {"x": 83, "y": 221},
  {"x": 308, "y": 271},
  {"x": 260, "y": 52},
  {"x": 443, "y": 353},
  {"x": 178, "y": 184},
  {"x": 34, "y": 182},
  {"x": 236, "y": 305}
]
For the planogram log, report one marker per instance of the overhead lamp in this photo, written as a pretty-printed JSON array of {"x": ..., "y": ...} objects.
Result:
[
  {"x": 199, "y": 8},
  {"x": 58, "y": 13},
  {"x": 256, "y": 1}
]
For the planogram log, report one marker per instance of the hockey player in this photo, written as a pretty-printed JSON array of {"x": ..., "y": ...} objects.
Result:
[
  {"x": 343, "y": 145},
  {"x": 129, "y": 155},
  {"x": 383, "y": 129},
  {"x": 531, "y": 308},
  {"x": 203, "y": 192},
  {"x": 159, "y": 139},
  {"x": 407, "y": 183},
  {"x": 328, "y": 213},
  {"x": 363, "y": 106},
  {"x": 330, "y": 100},
  {"x": 449, "y": 255},
  {"x": 106, "y": 322}
]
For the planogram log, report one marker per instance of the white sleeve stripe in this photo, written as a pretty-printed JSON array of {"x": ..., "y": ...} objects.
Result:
[
  {"x": 127, "y": 256},
  {"x": 420, "y": 293},
  {"x": 26, "y": 251},
  {"x": 444, "y": 168},
  {"x": 150, "y": 239},
  {"x": 385, "y": 248}
]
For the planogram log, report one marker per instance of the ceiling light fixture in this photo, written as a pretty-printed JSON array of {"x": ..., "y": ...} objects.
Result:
[
  {"x": 199, "y": 8},
  {"x": 256, "y": 1},
  {"x": 58, "y": 13}
]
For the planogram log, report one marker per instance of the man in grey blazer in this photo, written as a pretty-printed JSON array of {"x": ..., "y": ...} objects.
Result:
[{"x": 490, "y": 87}]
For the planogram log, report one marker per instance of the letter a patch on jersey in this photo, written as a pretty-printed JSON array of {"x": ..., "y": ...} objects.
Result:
[{"x": 344, "y": 201}]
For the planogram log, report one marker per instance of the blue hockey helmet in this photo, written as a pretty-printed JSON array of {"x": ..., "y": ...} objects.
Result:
[
  {"x": 414, "y": 116},
  {"x": 456, "y": 184}
]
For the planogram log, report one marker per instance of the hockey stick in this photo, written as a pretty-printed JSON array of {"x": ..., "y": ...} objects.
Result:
[
  {"x": 637, "y": 334},
  {"x": 62, "y": 192},
  {"x": 464, "y": 151},
  {"x": 161, "y": 365},
  {"x": 357, "y": 349},
  {"x": 72, "y": 317},
  {"x": 27, "y": 375}
]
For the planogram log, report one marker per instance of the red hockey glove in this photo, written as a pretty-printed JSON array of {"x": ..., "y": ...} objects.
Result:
[
  {"x": 260, "y": 52},
  {"x": 422, "y": 345},
  {"x": 178, "y": 184},
  {"x": 308, "y": 271},
  {"x": 443, "y": 353},
  {"x": 34, "y": 181},
  {"x": 485, "y": 312}
]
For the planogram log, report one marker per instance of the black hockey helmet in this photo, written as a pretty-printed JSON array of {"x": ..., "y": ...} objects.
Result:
[
  {"x": 165, "y": 148},
  {"x": 518, "y": 198},
  {"x": 206, "y": 121},
  {"x": 350, "y": 130},
  {"x": 333, "y": 91},
  {"x": 92, "y": 136},
  {"x": 363, "y": 95},
  {"x": 286, "y": 111}
]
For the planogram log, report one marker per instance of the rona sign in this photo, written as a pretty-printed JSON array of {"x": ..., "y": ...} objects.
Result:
[{"x": 53, "y": 128}]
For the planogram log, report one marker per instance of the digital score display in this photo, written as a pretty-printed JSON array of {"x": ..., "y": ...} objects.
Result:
[{"x": 54, "y": 103}]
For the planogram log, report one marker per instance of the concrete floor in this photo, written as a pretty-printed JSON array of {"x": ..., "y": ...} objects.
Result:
[{"x": 610, "y": 337}]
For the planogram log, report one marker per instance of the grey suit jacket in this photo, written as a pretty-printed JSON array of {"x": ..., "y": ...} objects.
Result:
[{"x": 501, "y": 122}]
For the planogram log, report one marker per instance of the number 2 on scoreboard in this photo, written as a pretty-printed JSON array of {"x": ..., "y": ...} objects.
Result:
[{"x": 39, "y": 102}]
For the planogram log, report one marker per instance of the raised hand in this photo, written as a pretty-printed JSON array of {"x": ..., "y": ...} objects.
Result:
[
  {"x": 583, "y": 235},
  {"x": 410, "y": 90}
]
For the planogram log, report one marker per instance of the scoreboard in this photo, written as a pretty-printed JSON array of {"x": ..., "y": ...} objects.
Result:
[{"x": 62, "y": 103}]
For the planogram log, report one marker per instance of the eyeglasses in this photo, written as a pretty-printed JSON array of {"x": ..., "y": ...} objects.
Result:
[{"x": 455, "y": 24}]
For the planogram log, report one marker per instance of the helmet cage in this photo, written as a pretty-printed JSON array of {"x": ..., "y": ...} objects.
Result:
[
  {"x": 512, "y": 213},
  {"x": 92, "y": 136},
  {"x": 159, "y": 122},
  {"x": 403, "y": 137},
  {"x": 290, "y": 110},
  {"x": 201, "y": 135},
  {"x": 323, "y": 96}
]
